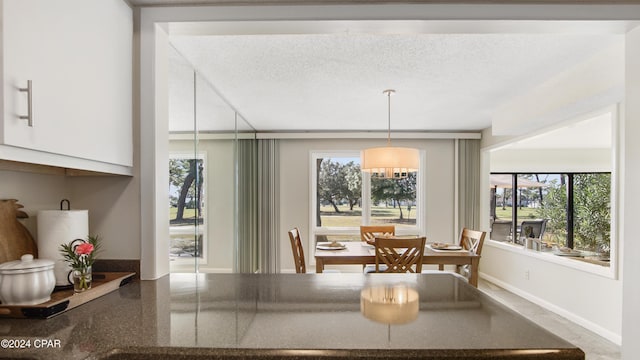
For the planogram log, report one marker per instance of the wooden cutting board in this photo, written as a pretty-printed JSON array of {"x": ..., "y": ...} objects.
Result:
[
  {"x": 65, "y": 299},
  {"x": 15, "y": 239}
]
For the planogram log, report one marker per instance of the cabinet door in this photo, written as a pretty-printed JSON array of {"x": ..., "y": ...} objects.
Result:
[{"x": 78, "y": 55}]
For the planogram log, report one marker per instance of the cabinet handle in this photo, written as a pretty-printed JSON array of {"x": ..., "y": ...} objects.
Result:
[{"x": 29, "y": 116}]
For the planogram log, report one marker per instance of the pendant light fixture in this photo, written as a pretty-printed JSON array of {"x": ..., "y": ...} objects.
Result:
[
  {"x": 389, "y": 162},
  {"x": 393, "y": 305}
]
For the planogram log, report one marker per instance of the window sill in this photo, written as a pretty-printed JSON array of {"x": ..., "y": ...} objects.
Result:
[{"x": 600, "y": 268}]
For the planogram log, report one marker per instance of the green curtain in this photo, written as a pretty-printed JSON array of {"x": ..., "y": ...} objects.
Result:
[
  {"x": 258, "y": 208},
  {"x": 247, "y": 205},
  {"x": 469, "y": 191},
  {"x": 269, "y": 205}
]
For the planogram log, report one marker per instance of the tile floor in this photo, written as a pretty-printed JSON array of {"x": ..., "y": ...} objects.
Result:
[{"x": 594, "y": 346}]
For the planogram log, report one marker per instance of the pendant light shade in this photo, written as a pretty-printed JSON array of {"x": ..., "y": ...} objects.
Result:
[
  {"x": 389, "y": 162},
  {"x": 392, "y": 305}
]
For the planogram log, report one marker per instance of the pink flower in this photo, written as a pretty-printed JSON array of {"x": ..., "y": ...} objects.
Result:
[{"x": 84, "y": 249}]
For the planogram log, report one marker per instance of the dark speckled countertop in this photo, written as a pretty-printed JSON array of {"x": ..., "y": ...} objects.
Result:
[{"x": 311, "y": 316}]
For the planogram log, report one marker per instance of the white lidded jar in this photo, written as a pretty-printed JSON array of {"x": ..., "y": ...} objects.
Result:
[{"x": 27, "y": 281}]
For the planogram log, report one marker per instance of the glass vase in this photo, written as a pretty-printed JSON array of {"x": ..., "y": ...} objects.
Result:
[{"x": 82, "y": 279}]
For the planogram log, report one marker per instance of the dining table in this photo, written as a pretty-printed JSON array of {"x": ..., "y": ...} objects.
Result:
[{"x": 363, "y": 253}]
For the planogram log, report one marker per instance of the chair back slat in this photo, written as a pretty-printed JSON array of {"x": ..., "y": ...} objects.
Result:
[
  {"x": 298, "y": 252},
  {"x": 472, "y": 240},
  {"x": 399, "y": 255},
  {"x": 370, "y": 232}
]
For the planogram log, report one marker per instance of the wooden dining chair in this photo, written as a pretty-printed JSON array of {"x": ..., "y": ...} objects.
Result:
[
  {"x": 399, "y": 255},
  {"x": 368, "y": 233},
  {"x": 298, "y": 253},
  {"x": 471, "y": 240}
]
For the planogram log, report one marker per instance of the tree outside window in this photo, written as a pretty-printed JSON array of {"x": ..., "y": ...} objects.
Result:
[
  {"x": 186, "y": 206},
  {"x": 591, "y": 212},
  {"x": 393, "y": 201},
  {"x": 340, "y": 194},
  {"x": 577, "y": 207}
]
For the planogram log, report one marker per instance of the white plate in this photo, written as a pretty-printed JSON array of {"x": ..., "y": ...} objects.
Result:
[
  {"x": 450, "y": 247},
  {"x": 326, "y": 246},
  {"x": 447, "y": 247}
]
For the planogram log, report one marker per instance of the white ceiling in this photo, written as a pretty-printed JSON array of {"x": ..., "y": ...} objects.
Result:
[{"x": 322, "y": 76}]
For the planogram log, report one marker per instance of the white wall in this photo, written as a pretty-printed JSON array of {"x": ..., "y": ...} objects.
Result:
[
  {"x": 114, "y": 212},
  {"x": 591, "y": 300},
  {"x": 35, "y": 192},
  {"x": 631, "y": 207},
  {"x": 112, "y": 202},
  {"x": 551, "y": 160},
  {"x": 295, "y": 187}
]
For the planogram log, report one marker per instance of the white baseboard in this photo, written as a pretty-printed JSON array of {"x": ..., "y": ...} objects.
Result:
[{"x": 607, "y": 334}]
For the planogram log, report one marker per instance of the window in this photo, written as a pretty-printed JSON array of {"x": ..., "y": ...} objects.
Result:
[
  {"x": 574, "y": 208},
  {"x": 186, "y": 208},
  {"x": 393, "y": 202},
  {"x": 338, "y": 192},
  {"x": 344, "y": 198}
]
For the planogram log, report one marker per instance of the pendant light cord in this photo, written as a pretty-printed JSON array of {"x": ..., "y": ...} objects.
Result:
[{"x": 389, "y": 92}]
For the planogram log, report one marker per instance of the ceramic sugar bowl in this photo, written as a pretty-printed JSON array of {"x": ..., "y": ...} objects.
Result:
[{"x": 27, "y": 281}]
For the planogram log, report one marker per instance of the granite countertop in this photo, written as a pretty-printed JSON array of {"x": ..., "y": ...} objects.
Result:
[{"x": 185, "y": 316}]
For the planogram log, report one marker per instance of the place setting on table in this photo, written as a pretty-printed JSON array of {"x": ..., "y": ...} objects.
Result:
[
  {"x": 370, "y": 245},
  {"x": 444, "y": 247},
  {"x": 332, "y": 245}
]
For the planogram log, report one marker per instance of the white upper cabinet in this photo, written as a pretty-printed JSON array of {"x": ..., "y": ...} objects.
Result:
[{"x": 77, "y": 54}]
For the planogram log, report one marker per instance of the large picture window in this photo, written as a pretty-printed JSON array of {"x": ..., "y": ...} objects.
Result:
[
  {"x": 573, "y": 209},
  {"x": 345, "y": 198}
]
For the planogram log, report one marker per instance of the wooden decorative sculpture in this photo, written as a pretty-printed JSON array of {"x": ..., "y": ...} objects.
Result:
[{"x": 15, "y": 239}]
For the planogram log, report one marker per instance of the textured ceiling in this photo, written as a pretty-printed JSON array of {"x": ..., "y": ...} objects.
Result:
[{"x": 334, "y": 80}]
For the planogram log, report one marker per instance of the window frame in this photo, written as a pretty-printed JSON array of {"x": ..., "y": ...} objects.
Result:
[
  {"x": 570, "y": 214},
  {"x": 198, "y": 229},
  {"x": 366, "y": 200},
  {"x": 609, "y": 271}
]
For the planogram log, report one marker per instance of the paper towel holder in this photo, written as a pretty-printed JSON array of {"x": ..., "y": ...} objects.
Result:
[{"x": 62, "y": 204}]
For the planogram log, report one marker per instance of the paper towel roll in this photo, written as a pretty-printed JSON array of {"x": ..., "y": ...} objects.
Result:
[{"x": 56, "y": 227}]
